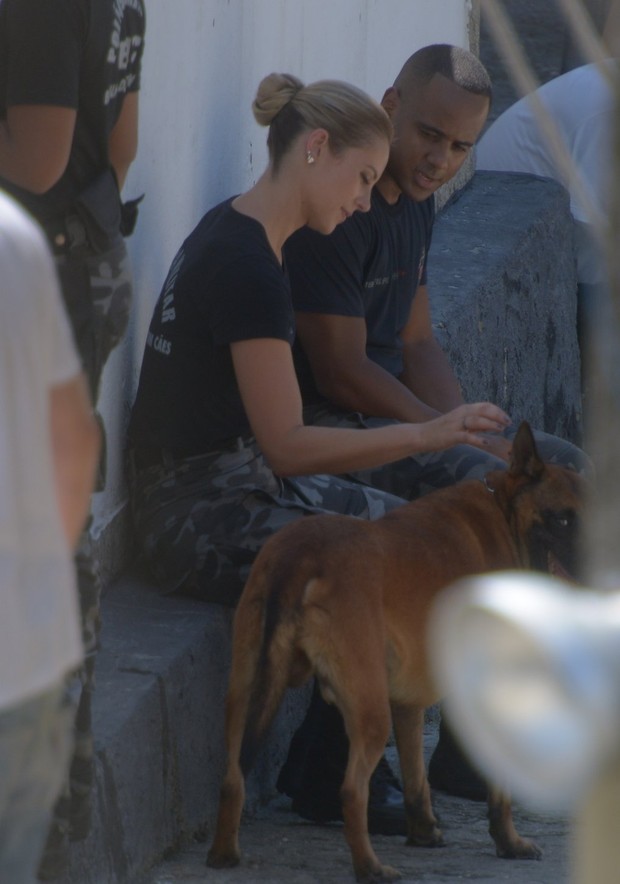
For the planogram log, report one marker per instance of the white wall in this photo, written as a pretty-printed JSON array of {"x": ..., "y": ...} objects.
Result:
[{"x": 199, "y": 142}]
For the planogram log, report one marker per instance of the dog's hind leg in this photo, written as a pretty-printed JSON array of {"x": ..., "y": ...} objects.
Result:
[
  {"x": 508, "y": 843},
  {"x": 422, "y": 828},
  {"x": 258, "y": 680},
  {"x": 362, "y": 697},
  {"x": 224, "y": 851}
]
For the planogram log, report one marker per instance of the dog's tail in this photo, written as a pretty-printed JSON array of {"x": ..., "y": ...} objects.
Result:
[{"x": 266, "y": 657}]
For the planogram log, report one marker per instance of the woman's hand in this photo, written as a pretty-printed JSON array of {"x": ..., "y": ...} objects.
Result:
[{"x": 466, "y": 425}]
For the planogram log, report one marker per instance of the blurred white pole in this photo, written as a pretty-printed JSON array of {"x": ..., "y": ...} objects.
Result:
[{"x": 597, "y": 832}]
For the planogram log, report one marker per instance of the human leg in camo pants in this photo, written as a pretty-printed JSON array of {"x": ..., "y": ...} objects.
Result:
[
  {"x": 97, "y": 294},
  {"x": 202, "y": 520},
  {"x": 417, "y": 475}
]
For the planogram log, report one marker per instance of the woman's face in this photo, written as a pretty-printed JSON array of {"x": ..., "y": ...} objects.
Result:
[{"x": 340, "y": 184}]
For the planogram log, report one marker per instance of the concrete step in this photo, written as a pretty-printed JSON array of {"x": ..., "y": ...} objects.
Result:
[{"x": 159, "y": 730}]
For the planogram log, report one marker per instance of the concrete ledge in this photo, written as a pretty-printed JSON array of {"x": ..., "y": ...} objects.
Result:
[
  {"x": 502, "y": 277},
  {"x": 158, "y": 723}
]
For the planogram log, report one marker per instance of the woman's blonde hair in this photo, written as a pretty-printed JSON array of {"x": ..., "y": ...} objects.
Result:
[{"x": 351, "y": 118}]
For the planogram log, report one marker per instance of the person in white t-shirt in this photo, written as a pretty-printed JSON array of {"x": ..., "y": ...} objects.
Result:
[
  {"x": 581, "y": 105},
  {"x": 49, "y": 445}
]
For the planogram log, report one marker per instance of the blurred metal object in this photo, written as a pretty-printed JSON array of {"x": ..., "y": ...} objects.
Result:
[{"x": 530, "y": 671}]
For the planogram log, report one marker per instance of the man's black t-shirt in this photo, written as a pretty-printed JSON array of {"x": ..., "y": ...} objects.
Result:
[
  {"x": 225, "y": 284},
  {"x": 370, "y": 267},
  {"x": 79, "y": 54}
]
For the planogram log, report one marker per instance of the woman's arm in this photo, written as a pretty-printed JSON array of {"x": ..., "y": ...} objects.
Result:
[{"x": 271, "y": 397}]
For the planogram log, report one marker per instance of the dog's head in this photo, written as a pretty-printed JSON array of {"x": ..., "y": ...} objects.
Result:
[{"x": 543, "y": 504}]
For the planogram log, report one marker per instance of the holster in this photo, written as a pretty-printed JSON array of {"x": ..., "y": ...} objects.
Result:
[
  {"x": 96, "y": 220},
  {"x": 98, "y": 207}
]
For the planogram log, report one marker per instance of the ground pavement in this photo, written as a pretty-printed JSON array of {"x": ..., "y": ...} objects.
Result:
[{"x": 278, "y": 847}]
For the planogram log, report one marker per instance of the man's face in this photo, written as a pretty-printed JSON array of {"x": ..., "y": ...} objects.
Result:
[{"x": 435, "y": 127}]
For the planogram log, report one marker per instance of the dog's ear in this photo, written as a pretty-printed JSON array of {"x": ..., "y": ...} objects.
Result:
[{"x": 524, "y": 459}]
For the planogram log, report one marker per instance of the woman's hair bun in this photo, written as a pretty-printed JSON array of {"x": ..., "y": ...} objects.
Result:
[{"x": 274, "y": 92}]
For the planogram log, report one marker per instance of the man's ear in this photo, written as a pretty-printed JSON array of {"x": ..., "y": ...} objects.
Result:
[{"x": 391, "y": 101}]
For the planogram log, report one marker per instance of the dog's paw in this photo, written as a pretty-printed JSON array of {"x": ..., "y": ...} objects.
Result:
[
  {"x": 378, "y": 875},
  {"x": 426, "y": 838},
  {"x": 520, "y": 848},
  {"x": 222, "y": 859}
]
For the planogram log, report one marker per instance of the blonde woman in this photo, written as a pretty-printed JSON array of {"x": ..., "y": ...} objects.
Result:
[{"x": 220, "y": 456}]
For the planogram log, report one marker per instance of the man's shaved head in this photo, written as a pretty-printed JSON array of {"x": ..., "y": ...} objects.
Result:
[{"x": 458, "y": 65}]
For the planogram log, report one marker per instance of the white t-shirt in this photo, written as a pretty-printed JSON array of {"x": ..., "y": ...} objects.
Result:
[
  {"x": 581, "y": 105},
  {"x": 39, "y": 622}
]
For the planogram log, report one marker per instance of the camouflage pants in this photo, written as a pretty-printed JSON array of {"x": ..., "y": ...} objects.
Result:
[
  {"x": 97, "y": 294},
  {"x": 417, "y": 475},
  {"x": 201, "y": 520}
]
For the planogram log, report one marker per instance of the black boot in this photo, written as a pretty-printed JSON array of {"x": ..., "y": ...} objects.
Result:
[
  {"x": 449, "y": 770},
  {"x": 314, "y": 771}
]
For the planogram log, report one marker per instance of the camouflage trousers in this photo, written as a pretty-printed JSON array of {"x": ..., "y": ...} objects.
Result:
[
  {"x": 97, "y": 293},
  {"x": 200, "y": 521},
  {"x": 415, "y": 476}
]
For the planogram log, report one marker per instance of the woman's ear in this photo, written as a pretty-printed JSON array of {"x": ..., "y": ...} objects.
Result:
[{"x": 316, "y": 141}]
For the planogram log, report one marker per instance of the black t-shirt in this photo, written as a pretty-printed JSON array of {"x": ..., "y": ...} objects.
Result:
[
  {"x": 370, "y": 266},
  {"x": 80, "y": 54},
  {"x": 225, "y": 284}
]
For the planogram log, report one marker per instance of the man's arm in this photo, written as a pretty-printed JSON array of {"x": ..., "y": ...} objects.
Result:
[
  {"x": 123, "y": 141},
  {"x": 427, "y": 372},
  {"x": 75, "y": 449},
  {"x": 336, "y": 349},
  {"x": 35, "y": 144}
]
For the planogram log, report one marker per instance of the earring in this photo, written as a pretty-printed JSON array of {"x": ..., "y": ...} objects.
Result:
[{"x": 309, "y": 158}]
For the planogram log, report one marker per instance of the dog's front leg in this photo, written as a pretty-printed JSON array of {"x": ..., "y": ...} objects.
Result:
[
  {"x": 423, "y": 830},
  {"x": 508, "y": 843}
]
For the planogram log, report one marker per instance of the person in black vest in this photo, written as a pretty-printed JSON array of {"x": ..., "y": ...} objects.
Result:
[{"x": 69, "y": 81}]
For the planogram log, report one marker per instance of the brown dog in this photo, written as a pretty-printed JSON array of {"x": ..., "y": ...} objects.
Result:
[{"x": 347, "y": 600}]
